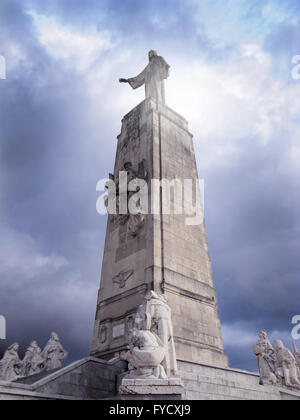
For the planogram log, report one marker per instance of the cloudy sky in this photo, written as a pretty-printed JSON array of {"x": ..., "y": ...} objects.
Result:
[{"x": 60, "y": 112}]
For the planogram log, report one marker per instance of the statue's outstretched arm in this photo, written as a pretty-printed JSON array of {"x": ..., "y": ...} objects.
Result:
[{"x": 135, "y": 82}]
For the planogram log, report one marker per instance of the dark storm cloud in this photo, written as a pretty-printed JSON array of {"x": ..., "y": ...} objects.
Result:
[
  {"x": 47, "y": 193},
  {"x": 254, "y": 243},
  {"x": 57, "y": 140}
]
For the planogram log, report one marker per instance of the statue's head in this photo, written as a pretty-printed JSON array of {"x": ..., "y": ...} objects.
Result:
[
  {"x": 54, "y": 336},
  {"x": 33, "y": 344},
  {"x": 133, "y": 336},
  {"x": 278, "y": 345},
  {"x": 154, "y": 295},
  {"x": 139, "y": 319},
  {"x": 262, "y": 335},
  {"x": 151, "y": 54},
  {"x": 14, "y": 346}
]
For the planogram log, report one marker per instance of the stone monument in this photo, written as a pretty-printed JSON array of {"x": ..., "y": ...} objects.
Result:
[
  {"x": 157, "y": 332},
  {"x": 157, "y": 252}
]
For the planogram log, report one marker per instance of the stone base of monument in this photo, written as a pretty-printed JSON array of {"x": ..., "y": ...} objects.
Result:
[
  {"x": 96, "y": 379},
  {"x": 151, "y": 389},
  {"x": 206, "y": 382}
]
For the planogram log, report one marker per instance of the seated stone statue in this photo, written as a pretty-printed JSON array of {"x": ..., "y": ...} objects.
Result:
[
  {"x": 33, "y": 362},
  {"x": 11, "y": 365},
  {"x": 264, "y": 352},
  {"x": 152, "y": 350},
  {"x": 53, "y": 354},
  {"x": 286, "y": 366},
  {"x": 145, "y": 356}
]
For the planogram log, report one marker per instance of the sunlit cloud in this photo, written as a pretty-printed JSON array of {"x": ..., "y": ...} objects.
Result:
[{"x": 78, "y": 48}]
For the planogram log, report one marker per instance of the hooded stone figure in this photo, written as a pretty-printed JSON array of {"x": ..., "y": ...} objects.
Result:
[
  {"x": 33, "y": 362},
  {"x": 152, "y": 77},
  {"x": 286, "y": 365},
  {"x": 10, "y": 365},
  {"x": 54, "y": 353}
]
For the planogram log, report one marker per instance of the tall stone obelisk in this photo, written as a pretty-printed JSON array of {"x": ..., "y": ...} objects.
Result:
[{"x": 157, "y": 252}]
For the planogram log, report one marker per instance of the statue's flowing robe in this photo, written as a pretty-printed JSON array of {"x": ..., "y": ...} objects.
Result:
[
  {"x": 10, "y": 365},
  {"x": 264, "y": 351},
  {"x": 33, "y": 361},
  {"x": 153, "y": 77},
  {"x": 160, "y": 313},
  {"x": 53, "y": 355}
]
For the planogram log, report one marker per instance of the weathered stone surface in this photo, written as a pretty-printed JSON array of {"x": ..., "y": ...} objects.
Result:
[
  {"x": 151, "y": 388},
  {"x": 204, "y": 382}
]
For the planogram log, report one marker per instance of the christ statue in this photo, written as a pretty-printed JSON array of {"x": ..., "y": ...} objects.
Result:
[{"x": 152, "y": 77}]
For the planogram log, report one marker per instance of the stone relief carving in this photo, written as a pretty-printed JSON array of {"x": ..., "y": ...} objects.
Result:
[
  {"x": 277, "y": 365},
  {"x": 135, "y": 222},
  {"x": 122, "y": 278},
  {"x": 33, "y": 361},
  {"x": 11, "y": 365},
  {"x": 152, "y": 351},
  {"x": 103, "y": 333},
  {"x": 54, "y": 353}
]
